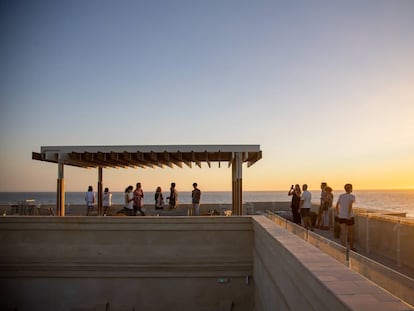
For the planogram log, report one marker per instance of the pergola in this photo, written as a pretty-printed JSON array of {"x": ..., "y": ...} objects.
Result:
[{"x": 149, "y": 156}]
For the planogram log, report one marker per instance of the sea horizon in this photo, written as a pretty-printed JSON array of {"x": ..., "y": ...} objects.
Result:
[
  {"x": 276, "y": 190},
  {"x": 398, "y": 200}
]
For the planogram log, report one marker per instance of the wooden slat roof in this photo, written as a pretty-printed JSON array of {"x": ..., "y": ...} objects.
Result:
[{"x": 147, "y": 156}]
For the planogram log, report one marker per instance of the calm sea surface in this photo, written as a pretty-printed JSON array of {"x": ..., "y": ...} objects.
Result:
[{"x": 394, "y": 200}]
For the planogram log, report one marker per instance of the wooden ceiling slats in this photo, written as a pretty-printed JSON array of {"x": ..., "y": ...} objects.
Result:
[{"x": 147, "y": 156}]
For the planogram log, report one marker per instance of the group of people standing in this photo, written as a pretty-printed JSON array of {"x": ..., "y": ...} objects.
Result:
[
  {"x": 301, "y": 205},
  {"x": 173, "y": 199},
  {"x": 90, "y": 200},
  {"x": 327, "y": 215},
  {"x": 134, "y": 200}
]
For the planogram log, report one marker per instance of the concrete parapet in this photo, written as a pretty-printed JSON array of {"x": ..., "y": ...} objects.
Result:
[
  {"x": 146, "y": 263},
  {"x": 173, "y": 263},
  {"x": 386, "y": 235},
  {"x": 329, "y": 247},
  {"x": 293, "y": 275},
  {"x": 397, "y": 283}
]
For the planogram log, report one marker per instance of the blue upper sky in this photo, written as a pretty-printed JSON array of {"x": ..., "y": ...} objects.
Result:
[{"x": 326, "y": 88}]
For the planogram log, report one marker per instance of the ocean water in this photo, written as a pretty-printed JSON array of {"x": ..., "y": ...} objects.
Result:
[{"x": 391, "y": 200}]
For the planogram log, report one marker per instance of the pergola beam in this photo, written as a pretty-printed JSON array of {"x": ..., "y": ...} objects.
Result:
[
  {"x": 207, "y": 159},
  {"x": 152, "y": 156}
]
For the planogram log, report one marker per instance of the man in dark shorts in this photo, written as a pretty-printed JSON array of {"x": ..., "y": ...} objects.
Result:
[
  {"x": 346, "y": 216},
  {"x": 305, "y": 206}
]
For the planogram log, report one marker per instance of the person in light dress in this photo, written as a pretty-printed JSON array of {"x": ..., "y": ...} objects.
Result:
[{"x": 106, "y": 200}]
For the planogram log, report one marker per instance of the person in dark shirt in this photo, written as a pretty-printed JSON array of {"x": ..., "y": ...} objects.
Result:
[
  {"x": 295, "y": 193},
  {"x": 195, "y": 195},
  {"x": 173, "y": 198}
]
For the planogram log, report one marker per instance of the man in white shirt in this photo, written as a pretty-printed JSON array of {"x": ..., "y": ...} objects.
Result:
[
  {"x": 89, "y": 199},
  {"x": 305, "y": 206},
  {"x": 346, "y": 216}
]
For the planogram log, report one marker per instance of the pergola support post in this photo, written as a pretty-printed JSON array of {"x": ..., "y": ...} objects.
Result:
[
  {"x": 60, "y": 200},
  {"x": 149, "y": 156},
  {"x": 237, "y": 190},
  {"x": 100, "y": 211}
]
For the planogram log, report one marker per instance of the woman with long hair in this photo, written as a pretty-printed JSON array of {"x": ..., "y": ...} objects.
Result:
[{"x": 295, "y": 193}]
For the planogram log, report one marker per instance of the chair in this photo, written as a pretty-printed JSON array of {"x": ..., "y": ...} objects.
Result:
[
  {"x": 14, "y": 208},
  {"x": 36, "y": 209}
]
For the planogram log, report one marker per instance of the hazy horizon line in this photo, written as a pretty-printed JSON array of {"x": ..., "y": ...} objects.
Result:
[{"x": 287, "y": 189}]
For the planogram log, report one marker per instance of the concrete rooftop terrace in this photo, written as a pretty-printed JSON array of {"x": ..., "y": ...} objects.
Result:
[{"x": 174, "y": 263}]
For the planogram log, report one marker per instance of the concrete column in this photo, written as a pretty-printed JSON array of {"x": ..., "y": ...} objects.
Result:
[
  {"x": 237, "y": 191},
  {"x": 60, "y": 202},
  {"x": 100, "y": 191}
]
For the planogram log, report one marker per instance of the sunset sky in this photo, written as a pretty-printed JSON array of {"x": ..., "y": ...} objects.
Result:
[{"x": 325, "y": 88}]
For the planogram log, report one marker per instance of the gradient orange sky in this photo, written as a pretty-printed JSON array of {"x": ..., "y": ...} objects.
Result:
[{"x": 326, "y": 89}]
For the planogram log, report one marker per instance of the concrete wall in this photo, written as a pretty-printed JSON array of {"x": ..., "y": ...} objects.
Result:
[
  {"x": 387, "y": 236},
  {"x": 291, "y": 274},
  {"x": 396, "y": 283},
  {"x": 172, "y": 263},
  {"x": 125, "y": 263}
]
